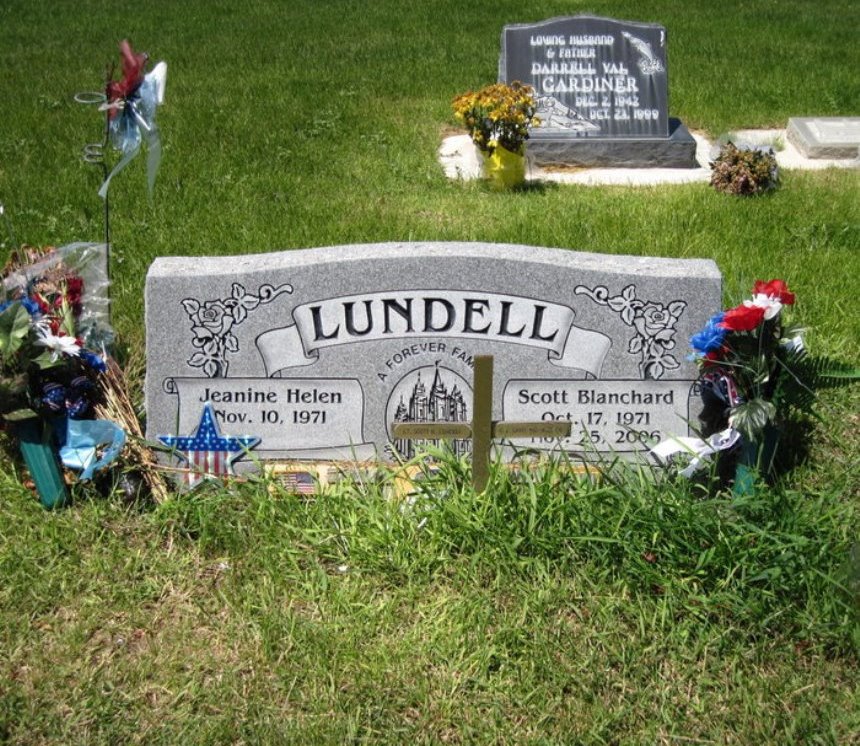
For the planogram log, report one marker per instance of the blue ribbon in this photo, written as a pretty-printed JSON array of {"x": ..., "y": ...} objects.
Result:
[{"x": 84, "y": 438}]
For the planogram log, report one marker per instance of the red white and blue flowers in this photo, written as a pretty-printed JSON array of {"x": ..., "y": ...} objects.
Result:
[
  {"x": 45, "y": 369},
  {"x": 742, "y": 352},
  {"x": 46, "y": 372}
]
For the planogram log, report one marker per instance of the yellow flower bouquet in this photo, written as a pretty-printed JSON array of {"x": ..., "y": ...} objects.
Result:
[{"x": 498, "y": 115}]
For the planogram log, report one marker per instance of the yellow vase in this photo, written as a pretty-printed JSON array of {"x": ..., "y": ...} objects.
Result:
[{"x": 504, "y": 169}]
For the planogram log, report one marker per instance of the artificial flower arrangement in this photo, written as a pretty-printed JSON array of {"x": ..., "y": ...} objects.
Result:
[
  {"x": 46, "y": 370},
  {"x": 744, "y": 170},
  {"x": 754, "y": 370},
  {"x": 52, "y": 383},
  {"x": 498, "y": 115},
  {"x": 744, "y": 354}
]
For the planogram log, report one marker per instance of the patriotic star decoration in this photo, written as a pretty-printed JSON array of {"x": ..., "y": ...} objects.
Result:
[{"x": 208, "y": 452}]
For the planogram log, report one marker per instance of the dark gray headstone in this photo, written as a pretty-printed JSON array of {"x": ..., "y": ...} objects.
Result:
[
  {"x": 602, "y": 92},
  {"x": 317, "y": 352}
]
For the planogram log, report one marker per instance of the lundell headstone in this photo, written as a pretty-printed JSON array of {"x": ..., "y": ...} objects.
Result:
[{"x": 317, "y": 351}]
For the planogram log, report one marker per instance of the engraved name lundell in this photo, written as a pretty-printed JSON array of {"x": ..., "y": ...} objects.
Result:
[
  {"x": 435, "y": 315},
  {"x": 457, "y": 313}
]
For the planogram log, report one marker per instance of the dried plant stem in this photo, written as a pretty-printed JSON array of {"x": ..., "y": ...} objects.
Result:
[{"x": 118, "y": 407}]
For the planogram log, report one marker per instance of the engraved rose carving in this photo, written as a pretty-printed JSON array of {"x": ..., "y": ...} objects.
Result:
[
  {"x": 212, "y": 325},
  {"x": 210, "y": 320},
  {"x": 654, "y": 324},
  {"x": 653, "y": 320}
]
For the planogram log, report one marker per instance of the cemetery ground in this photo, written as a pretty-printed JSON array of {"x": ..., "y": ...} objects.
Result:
[{"x": 551, "y": 610}]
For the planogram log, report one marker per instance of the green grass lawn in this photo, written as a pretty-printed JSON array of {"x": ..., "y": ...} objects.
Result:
[{"x": 545, "y": 611}]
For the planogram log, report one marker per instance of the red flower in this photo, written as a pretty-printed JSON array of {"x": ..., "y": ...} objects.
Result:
[
  {"x": 742, "y": 318},
  {"x": 132, "y": 76},
  {"x": 44, "y": 306},
  {"x": 74, "y": 286},
  {"x": 774, "y": 289},
  {"x": 74, "y": 291}
]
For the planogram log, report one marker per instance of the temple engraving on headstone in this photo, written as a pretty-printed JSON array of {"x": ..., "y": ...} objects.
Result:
[
  {"x": 314, "y": 354},
  {"x": 602, "y": 92},
  {"x": 482, "y": 429}
]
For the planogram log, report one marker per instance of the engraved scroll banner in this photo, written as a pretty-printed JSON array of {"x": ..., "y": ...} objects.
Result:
[
  {"x": 288, "y": 414},
  {"x": 427, "y": 313},
  {"x": 615, "y": 416}
]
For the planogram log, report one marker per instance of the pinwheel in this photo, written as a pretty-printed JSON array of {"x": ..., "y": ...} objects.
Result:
[{"x": 131, "y": 104}]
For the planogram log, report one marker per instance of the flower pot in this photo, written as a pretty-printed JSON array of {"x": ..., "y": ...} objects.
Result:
[
  {"x": 36, "y": 440},
  {"x": 755, "y": 458},
  {"x": 504, "y": 169}
]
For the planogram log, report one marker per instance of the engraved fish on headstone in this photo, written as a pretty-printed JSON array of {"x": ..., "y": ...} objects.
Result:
[
  {"x": 554, "y": 114},
  {"x": 647, "y": 63}
]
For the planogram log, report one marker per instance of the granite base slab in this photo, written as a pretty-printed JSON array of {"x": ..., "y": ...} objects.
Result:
[
  {"x": 825, "y": 137},
  {"x": 676, "y": 151}
]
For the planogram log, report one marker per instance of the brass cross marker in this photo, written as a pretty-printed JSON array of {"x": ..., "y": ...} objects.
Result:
[{"x": 482, "y": 429}]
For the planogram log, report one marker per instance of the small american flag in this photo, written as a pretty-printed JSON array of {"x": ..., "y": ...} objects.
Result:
[{"x": 298, "y": 482}]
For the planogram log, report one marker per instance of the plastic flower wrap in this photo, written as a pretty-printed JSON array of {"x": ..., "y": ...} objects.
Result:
[
  {"x": 47, "y": 371},
  {"x": 46, "y": 368},
  {"x": 83, "y": 266}
]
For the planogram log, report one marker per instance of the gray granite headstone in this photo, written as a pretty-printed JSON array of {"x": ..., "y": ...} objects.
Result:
[
  {"x": 602, "y": 92},
  {"x": 825, "y": 137},
  {"x": 317, "y": 352}
]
